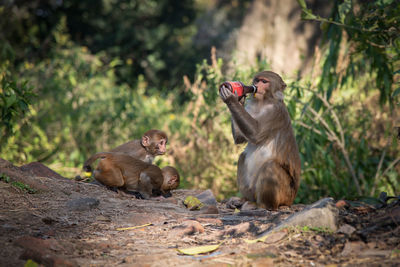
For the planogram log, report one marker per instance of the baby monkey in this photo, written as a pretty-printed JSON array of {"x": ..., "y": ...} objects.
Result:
[{"x": 137, "y": 177}]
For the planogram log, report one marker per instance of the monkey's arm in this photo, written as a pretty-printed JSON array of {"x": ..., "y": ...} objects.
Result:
[
  {"x": 237, "y": 135},
  {"x": 241, "y": 119}
]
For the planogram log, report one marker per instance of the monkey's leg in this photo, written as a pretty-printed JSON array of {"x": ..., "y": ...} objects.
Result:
[
  {"x": 144, "y": 186},
  {"x": 111, "y": 177},
  {"x": 243, "y": 184},
  {"x": 273, "y": 188},
  {"x": 243, "y": 181}
]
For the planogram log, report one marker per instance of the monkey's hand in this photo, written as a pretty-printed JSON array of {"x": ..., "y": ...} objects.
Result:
[{"x": 226, "y": 95}]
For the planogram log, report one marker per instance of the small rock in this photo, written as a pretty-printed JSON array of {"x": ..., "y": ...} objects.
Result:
[
  {"x": 322, "y": 214},
  {"x": 42, "y": 251},
  {"x": 275, "y": 237},
  {"x": 103, "y": 218},
  {"x": 47, "y": 259},
  {"x": 209, "y": 220},
  {"x": 353, "y": 248},
  {"x": 41, "y": 170},
  {"x": 83, "y": 204},
  {"x": 236, "y": 230},
  {"x": 346, "y": 229},
  {"x": 30, "y": 242},
  {"x": 209, "y": 209},
  {"x": 369, "y": 253},
  {"x": 207, "y": 197},
  {"x": 189, "y": 227},
  {"x": 234, "y": 203},
  {"x": 48, "y": 220},
  {"x": 248, "y": 206}
]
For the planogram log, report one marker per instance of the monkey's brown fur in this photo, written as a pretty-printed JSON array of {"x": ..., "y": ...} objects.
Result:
[
  {"x": 153, "y": 143},
  {"x": 123, "y": 171},
  {"x": 269, "y": 168}
]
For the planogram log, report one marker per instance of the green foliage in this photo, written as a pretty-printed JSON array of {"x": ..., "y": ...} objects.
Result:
[
  {"x": 308, "y": 229},
  {"x": 23, "y": 187},
  {"x": 371, "y": 29},
  {"x": 16, "y": 184},
  {"x": 30, "y": 263},
  {"x": 153, "y": 38},
  {"x": 15, "y": 97},
  {"x": 362, "y": 49},
  {"x": 94, "y": 82},
  {"x": 4, "y": 177},
  {"x": 80, "y": 109}
]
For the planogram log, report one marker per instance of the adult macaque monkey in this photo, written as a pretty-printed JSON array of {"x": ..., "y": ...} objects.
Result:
[
  {"x": 134, "y": 175},
  {"x": 269, "y": 168}
]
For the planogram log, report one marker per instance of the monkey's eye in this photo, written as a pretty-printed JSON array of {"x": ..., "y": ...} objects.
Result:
[{"x": 256, "y": 80}]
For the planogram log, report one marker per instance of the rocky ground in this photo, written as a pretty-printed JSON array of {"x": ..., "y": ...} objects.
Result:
[{"x": 55, "y": 221}]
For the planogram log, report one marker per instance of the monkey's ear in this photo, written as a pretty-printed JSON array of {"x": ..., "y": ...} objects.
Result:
[
  {"x": 145, "y": 140},
  {"x": 283, "y": 86}
]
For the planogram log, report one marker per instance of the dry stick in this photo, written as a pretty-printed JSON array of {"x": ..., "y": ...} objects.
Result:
[
  {"x": 343, "y": 144},
  {"x": 335, "y": 117}
]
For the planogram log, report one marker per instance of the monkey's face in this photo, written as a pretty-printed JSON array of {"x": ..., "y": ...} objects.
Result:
[
  {"x": 269, "y": 85},
  {"x": 160, "y": 147},
  {"x": 155, "y": 145},
  {"x": 171, "y": 178},
  {"x": 263, "y": 87}
]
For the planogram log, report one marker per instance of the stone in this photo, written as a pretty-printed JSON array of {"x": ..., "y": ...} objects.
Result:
[
  {"x": 41, "y": 170},
  {"x": 207, "y": 197},
  {"x": 321, "y": 214},
  {"x": 83, "y": 204},
  {"x": 237, "y": 230},
  {"x": 209, "y": 209},
  {"x": 34, "y": 243},
  {"x": 188, "y": 227},
  {"x": 234, "y": 203},
  {"x": 346, "y": 229}
]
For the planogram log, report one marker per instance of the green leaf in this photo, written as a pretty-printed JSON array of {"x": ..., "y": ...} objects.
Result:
[
  {"x": 344, "y": 9},
  {"x": 307, "y": 14},
  {"x": 30, "y": 263},
  {"x": 193, "y": 203},
  {"x": 11, "y": 100},
  {"x": 302, "y": 3},
  {"x": 396, "y": 92}
]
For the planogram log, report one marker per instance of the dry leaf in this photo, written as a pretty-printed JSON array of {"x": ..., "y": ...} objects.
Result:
[
  {"x": 133, "y": 227},
  {"x": 199, "y": 249}
]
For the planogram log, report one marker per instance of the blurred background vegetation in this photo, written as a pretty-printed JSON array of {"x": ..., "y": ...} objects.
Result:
[{"x": 78, "y": 77}]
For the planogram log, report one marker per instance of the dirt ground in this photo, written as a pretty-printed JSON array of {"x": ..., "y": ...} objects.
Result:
[{"x": 70, "y": 223}]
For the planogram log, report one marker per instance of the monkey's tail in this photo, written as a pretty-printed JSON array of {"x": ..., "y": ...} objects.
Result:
[{"x": 87, "y": 165}]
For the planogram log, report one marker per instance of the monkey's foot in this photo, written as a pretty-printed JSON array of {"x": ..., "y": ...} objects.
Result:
[
  {"x": 136, "y": 194},
  {"x": 113, "y": 188},
  {"x": 235, "y": 203},
  {"x": 249, "y": 206},
  {"x": 167, "y": 195}
]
